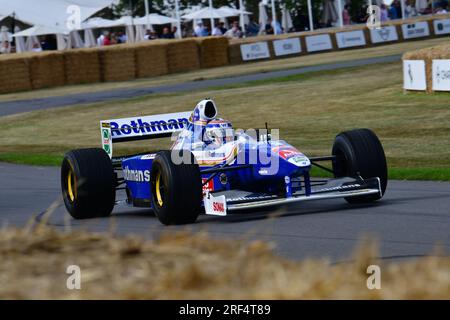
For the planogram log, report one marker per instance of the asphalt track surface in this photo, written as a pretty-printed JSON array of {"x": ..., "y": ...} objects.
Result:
[
  {"x": 408, "y": 222},
  {"x": 20, "y": 106}
]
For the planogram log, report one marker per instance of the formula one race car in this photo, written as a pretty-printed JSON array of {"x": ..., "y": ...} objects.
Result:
[{"x": 215, "y": 169}]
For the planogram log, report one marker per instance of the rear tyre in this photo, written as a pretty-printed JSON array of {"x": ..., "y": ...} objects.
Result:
[
  {"x": 176, "y": 188},
  {"x": 359, "y": 153},
  {"x": 88, "y": 183}
]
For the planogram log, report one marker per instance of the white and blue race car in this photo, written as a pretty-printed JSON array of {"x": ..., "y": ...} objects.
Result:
[{"x": 214, "y": 169}]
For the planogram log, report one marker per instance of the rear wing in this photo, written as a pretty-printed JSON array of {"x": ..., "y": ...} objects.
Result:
[{"x": 141, "y": 128}]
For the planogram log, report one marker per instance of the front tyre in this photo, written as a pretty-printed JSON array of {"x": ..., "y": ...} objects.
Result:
[
  {"x": 359, "y": 153},
  {"x": 176, "y": 189},
  {"x": 88, "y": 183}
]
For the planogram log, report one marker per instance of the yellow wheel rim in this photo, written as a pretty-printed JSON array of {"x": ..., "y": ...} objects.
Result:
[
  {"x": 158, "y": 191},
  {"x": 71, "y": 185}
]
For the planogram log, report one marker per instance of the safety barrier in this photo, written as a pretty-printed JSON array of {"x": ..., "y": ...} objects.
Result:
[
  {"x": 427, "y": 69},
  {"x": 21, "y": 72}
]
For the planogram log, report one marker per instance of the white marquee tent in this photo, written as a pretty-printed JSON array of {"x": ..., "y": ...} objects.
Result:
[{"x": 52, "y": 13}]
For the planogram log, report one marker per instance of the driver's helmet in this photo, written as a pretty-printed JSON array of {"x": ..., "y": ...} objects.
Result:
[{"x": 218, "y": 132}]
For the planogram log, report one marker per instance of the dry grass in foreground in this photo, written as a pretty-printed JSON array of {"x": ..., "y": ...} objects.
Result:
[{"x": 183, "y": 266}]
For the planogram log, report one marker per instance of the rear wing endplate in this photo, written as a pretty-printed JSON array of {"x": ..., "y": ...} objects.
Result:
[{"x": 141, "y": 128}]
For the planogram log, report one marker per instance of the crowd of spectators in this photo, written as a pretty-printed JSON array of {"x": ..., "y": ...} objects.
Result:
[{"x": 252, "y": 28}]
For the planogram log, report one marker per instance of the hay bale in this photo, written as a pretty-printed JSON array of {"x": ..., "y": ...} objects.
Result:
[
  {"x": 428, "y": 55},
  {"x": 82, "y": 66},
  {"x": 14, "y": 73},
  {"x": 182, "y": 55},
  {"x": 117, "y": 63},
  {"x": 47, "y": 70},
  {"x": 151, "y": 59},
  {"x": 213, "y": 51},
  {"x": 234, "y": 53}
]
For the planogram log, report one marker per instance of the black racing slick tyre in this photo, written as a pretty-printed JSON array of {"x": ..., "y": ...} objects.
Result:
[
  {"x": 176, "y": 189},
  {"x": 359, "y": 153},
  {"x": 88, "y": 183}
]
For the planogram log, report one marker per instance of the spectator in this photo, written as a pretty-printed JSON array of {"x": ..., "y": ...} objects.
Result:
[
  {"x": 113, "y": 39},
  {"x": 252, "y": 28},
  {"x": 277, "y": 27},
  {"x": 441, "y": 11},
  {"x": 149, "y": 35},
  {"x": 235, "y": 32},
  {"x": 122, "y": 37},
  {"x": 222, "y": 27},
  {"x": 6, "y": 47},
  {"x": 101, "y": 38},
  {"x": 268, "y": 27},
  {"x": 175, "y": 32},
  {"x": 384, "y": 15},
  {"x": 107, "y": 39},
  {"x": 200, "y": 30},
  {"x": 217, "y": 31},
  {"x": 167, "y": 34},
  {"x": 393, "y": 12},
  {"x": 36, "y": 47},
  {"x": 410, "y": 10},
  {"x": 398, "y": 7},
  {"x": 346, "y": 15}
]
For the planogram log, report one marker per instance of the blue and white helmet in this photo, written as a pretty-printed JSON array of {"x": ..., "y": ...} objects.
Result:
[{"x": 218, "y": 131}]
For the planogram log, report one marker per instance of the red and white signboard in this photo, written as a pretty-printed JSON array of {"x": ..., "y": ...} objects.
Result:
[{"x": 216, "y": 206}]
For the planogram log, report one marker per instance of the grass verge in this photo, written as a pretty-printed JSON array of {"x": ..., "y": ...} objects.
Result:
[
  {"x": 186, "y": 266},
  {"x": 308, "y": 109}
]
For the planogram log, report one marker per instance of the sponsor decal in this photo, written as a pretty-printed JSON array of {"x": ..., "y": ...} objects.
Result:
[
  {"x": 218, "y": 206},
  {"x": 350, "y": 39},
  {"x": 139, "y": 126},
  {"x": 286, "y": 152},
  {"x": 255, "y": 51},
  {"x": 215, "y": 205},
  {"x": 287, "y": 46},
  {"x": 415, "y": 30},
  {"x": 300, "y": 161},
  {"x": 149, "y": 156},
  {"x": 223, "y": 178},
  {"x": 136, "y": 175},
  {"x": 384, "y": 34},
  {"x": 441, "y": 75},
  {"x": 414, "y": 75},
  {"x": 318, "y": 43},
  {"x": 441, "y": 26},
  {"x": 148, "y": 125},
  {"x": 209, "y": 187}
]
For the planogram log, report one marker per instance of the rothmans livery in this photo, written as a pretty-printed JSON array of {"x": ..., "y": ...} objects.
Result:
[{"x": 213, "y": 168}]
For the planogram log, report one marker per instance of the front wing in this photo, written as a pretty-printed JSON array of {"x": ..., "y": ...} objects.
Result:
[{"x": 221, "y": 202}]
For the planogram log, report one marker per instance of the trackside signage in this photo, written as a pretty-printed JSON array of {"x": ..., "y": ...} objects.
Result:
[
  {"x": 350, "y": 39},
  {"x": 414, "y": 75},
  {"x": 318, "y": 43},
  {"x": 255, "y": 51},
  {"x": 287, "y": 46},
  {"x": 383, "y": 34},
  {"x": 441, "y": 26},
  {"x": 415, "y": 30},
  {"x": 136, "y": 127},
  {"x": 441, "y": 75}
]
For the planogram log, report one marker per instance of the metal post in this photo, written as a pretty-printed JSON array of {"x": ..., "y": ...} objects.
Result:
[
  {"x": 177, "y": 12},
  {"x": 274, "y": 18},
  {"x": 402, "y": 5},
  {"x": 341, "y": 21},
  {"x": 211, "y": 18},
  {"x": 311, "y": 24},
  {"x": 147, "y": 12},
  {"x": 241, "y": 16}
]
